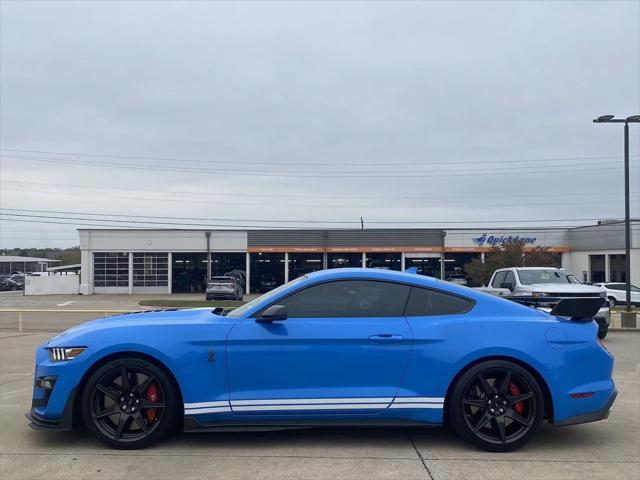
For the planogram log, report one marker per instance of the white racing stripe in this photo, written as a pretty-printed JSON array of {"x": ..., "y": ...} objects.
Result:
[
  {"x": 418, "y": 400},
  {"x": 310, "y": 401},
  {"x": 224, "y": 403},
  {"x": 301, "y": 404},
  {"x": 199, "y": 411},
  {"x": 416, "y": 405},
  {"x": 332, "y": 406}
]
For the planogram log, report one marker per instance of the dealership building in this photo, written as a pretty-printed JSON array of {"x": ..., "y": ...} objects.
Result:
[{"x": 175, "y": 261}]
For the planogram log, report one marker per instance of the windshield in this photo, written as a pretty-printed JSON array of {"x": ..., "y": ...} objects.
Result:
[
  {"x": 238, "y": 312},
  {"x": 529, "y": 277}
]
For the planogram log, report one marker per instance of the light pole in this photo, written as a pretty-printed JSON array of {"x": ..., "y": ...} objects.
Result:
[{"x": 627, "y": 213}]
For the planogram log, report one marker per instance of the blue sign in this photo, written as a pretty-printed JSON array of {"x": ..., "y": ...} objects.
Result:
[{"x": 494, "y": 240}]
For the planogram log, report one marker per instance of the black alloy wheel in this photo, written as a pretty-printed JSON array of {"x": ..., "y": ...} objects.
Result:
[
  {"x": 497, "y": 405},
  {"x": 129, "y": 403}
]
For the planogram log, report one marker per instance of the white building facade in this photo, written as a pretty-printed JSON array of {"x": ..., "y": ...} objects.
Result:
[{"x": 172, "y": 261}]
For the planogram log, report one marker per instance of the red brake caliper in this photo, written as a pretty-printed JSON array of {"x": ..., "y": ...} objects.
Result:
[
  {"x": 514, "y": 390},
  {"x": 152, "y": 396}
]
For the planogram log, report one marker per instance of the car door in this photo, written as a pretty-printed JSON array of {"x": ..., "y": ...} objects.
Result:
[{"x": 343, "y": 349}]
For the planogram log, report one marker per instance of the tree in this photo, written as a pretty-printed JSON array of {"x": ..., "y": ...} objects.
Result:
[{"x": 510, "y": 254}]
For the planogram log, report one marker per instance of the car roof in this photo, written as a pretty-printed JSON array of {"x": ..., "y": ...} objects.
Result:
[
  {"x": 532, "y": 268},
  {"x": 415, "y": 279},
  {"x": 389, "y": 275}
]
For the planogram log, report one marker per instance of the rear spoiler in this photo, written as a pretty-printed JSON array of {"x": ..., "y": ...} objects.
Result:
[{"x": 578, "y": 308}]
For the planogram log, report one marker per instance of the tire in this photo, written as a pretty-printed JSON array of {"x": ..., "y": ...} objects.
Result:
[
  {"x": 612, "y": 301},
  {"x": 483, "y": 409},
  {"x": 602, "y": 331},
  {"x": 129, "y": 414}
]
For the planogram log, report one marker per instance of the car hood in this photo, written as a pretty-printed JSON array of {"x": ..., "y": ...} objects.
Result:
[
  {"x": 565, "y": 287},
  {"x": 149, "y": 319}
]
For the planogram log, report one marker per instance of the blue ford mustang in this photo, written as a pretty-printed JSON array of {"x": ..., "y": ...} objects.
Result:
[{"x": 337, "y": 347}]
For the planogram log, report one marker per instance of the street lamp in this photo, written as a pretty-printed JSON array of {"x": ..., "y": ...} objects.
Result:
[{"x": 627, "y": 213}]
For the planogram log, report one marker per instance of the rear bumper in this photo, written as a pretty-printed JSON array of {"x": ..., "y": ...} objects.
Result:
[
  {"x": 220, "y": 296},
  {"x": 600, "y": 414}
]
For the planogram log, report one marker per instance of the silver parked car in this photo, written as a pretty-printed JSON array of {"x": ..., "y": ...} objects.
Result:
[
  {"x": 617, "y": 295},
  {"x": 224, "y": 288}
]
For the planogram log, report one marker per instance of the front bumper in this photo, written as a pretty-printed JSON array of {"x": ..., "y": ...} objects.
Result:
[
  {"x": 600, "y": 414},
  {"x": 52, "y": 408},
  {"x": 64, "y": 423}
]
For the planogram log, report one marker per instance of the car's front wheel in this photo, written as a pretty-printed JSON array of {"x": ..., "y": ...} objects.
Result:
[
  {"x": 612, "y": 302},
  {"x": 496, "y": 405},
  {"x": 129, "y": 403}
]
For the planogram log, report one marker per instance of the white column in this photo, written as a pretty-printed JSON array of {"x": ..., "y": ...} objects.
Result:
[
  {"x": 130, "y": 273},
  {"x": 607, "y": 266},
  {"x": 86, "y": 272},
  {"x": 402, "y": 262},
  {"x": 169, "y": 272},
  {"x": 247, "y": 269},
  {"x": 364, "y": 260},
  {"x": 482, "y": 257},
  {"x": 286, "y": 267}
]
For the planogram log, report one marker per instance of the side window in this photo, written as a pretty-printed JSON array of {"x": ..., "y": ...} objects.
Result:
[
  {"x": 423, "y": 302},
  {"x": 498, "y": 279},
  {"x": 510, "y": 277},
  {"x": 348, "y": 298}
]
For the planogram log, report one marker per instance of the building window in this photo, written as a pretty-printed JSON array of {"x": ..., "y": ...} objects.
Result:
[
  {"x": 303, "y": 263},
  {"x": 617, "y": 268},
  {"x": 150, "y": 269},
  {"x": 387, "y": 261},
  {"x": 597, "y": 268},
  {"x": 344, "y": 260},
  {"x": 110, "y": 269}
]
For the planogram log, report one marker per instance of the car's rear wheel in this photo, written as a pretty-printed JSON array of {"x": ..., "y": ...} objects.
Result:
[
  {"x": 129, "y": 403},
  {"x": 496, "y": 405}
]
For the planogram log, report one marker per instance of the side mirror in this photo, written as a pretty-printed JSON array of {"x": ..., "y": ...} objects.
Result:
[
  {"x": 273, "y": 314},
  {"x": 507, "y": 285}
]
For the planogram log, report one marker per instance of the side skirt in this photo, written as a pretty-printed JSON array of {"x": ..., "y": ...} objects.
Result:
[{"x": 193, "y": 425}]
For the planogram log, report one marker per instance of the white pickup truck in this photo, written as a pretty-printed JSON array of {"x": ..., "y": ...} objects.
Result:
[{"x": 540, "y": 282}]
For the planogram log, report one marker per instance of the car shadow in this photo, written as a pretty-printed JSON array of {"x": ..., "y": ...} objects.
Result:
[{"x": 434, "y": 440}]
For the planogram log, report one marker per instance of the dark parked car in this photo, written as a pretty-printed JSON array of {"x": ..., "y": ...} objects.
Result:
[
  {"x": 266, "y": 284},
  {"x": 8, "y": 284}
]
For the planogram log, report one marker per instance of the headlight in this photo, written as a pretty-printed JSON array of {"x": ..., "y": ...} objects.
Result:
[
  {"x": 539, "y": 294},
  {"x": 603, "y": 294},
  {"x": 61, "y": 354}
]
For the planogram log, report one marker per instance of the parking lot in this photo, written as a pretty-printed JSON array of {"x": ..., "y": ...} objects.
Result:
[{"x": 602, "y": 450}]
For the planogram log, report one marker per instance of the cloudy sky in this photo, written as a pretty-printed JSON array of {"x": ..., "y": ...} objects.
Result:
[{"x": 313, "y": 113}]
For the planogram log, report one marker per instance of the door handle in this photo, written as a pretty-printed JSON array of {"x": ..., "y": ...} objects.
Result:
[{"x": 386, "y": 338}]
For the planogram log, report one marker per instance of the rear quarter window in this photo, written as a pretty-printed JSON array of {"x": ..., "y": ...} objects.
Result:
[{"x": 424, "y": 302}]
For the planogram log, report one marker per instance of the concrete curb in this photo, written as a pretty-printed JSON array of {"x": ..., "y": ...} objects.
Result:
[{"x": 619, "y": 329}]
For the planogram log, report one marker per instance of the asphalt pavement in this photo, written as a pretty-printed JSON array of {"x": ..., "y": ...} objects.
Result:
[{"x": 604, "y": 450}]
